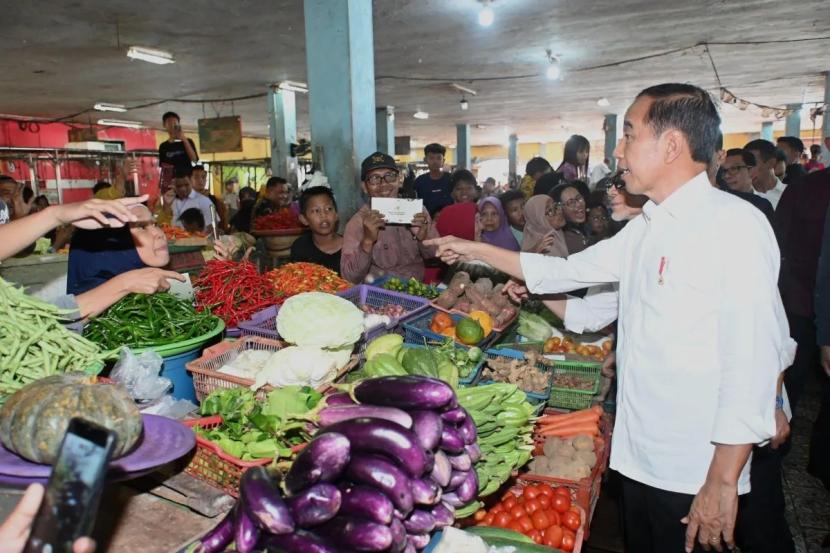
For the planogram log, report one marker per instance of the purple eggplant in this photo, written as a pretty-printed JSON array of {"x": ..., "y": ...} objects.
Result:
[
  {"x": 473, "y": 451},
  {"x": 441, "y": 470},
  {"x": 333, "y": 415},
  {"x": 366, "y": 502},
  {"x": 452, "y": 500},
  {"x": 384, "y": 437},
  {"x": 338, "y": 399},
  {"x": 377, "y": 472},
  {"x": 461, "y": 461},
  {"x": 451, "y": 441},
  {"x": 409, "y": 547},
  {"x": 405, "y": 392},
  {"x": 427, "y": 426},
  {"x": 315, "y": 505},
  {"x": 259, "y": 494},
  {"x": 355, "y": 534},
  {"x": 454, "y": 416},
  {"x": 246, "y": 531},
  {"x": 449, "y": 507},
  {"x": 468, "y": 431},
  {"x": 298, "y": 541},
  {"x": 469, "y": 488},
  {"x": 442, "y": 515},
  {"x": 220, "y": 536},
  {"x": 420, "y": 541},
  {"x": 398, "y": 536},
  {"x": 426, "y": 491},
  {"x": 419, "y": 522},
  {"x": 322, "y": 460},
  {"x": 456, "y": 480}
]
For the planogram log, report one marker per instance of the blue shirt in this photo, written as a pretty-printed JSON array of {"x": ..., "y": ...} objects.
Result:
[{"x": 435, "y": 193}]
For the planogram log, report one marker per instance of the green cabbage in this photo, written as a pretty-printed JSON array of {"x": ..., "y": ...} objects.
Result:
[
  {"x": 320, "y": 319},
  {"x": 533, "y": 327}
]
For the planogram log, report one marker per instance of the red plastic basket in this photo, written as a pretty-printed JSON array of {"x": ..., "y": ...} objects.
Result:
[{"x": 577, "y": 498}]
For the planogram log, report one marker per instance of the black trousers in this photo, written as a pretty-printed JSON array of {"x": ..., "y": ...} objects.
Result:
[
  {"x": 761, "y": 525},
  {"x": 819, "y": 463},
  {"x": 803, "y": 331},
  {"x": 651, "y": 519}
]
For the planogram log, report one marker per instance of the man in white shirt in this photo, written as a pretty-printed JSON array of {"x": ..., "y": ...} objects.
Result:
[
  {"x": 702, "y": 332},
  {"x": 599, "y": 172},
  {"x": 764, "y": 181},
  {"x": 187, "y": 198}
]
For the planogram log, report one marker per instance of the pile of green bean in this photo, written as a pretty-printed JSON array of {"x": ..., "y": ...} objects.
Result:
[
  {"x": 34, "y": 344},
  {"x": 145, "y": 321}
]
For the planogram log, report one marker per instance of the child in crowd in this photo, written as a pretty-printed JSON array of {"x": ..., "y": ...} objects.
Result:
[
  {"x": 459, "y": 219},
  {"x": 373, "y": 248},
  {"x": 514, "y": 202},
  {"x": 193, "y": 221},
  {"x": 493, "y": 225},
  {"x": 574, "y": 164},
  {"x": 321, "y": 244}
]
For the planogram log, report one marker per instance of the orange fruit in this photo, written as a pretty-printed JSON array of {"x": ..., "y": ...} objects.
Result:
[
  {"x": 449, "y": 332},
  {"x": 441, "y": 321}
]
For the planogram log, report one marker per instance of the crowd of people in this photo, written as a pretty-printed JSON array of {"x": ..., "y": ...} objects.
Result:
[{"x": 714, "y": 263}]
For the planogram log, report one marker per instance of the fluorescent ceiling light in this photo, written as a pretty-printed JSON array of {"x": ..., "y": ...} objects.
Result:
[
  {"x": 120, "y": 123},
  {"x": 464, "y": 89},
  {"x": 465, "y": 105},
  {"x": 486, "y": 16},
  {"x": 603, "y": 102},
  {"x": 420, "y": 115},
  {"x": 553, "y": 72},
  {"x": 151, "y": 55},
  {"x": 293, "y": 86},
  {"x": 103, "y": 106}
]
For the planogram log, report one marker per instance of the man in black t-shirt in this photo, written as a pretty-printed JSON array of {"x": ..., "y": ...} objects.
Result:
[
  {"x": 434, "y": 187},
  {"x": 793, "y": 147},
  {"x": 737, "y": 169},
  {"x": 321, "y": 245},
  {"x": 176, "y": 154}
]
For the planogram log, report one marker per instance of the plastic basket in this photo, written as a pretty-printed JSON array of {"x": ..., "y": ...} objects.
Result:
[
  {"x": 416, "y": 330},
  {"x": 464, "y": 381},
  {"x": 372, "y": 296},
  {"x": 581, "y": 498},
  {"x": 569, "y": 398},
  {"x": 500, "y": 329},
  {"x": 262, "y": 323},
  {"x": 533, "y": 396}
]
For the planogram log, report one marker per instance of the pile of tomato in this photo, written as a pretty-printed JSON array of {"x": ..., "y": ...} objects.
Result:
[{"x": 541, "y": 512}]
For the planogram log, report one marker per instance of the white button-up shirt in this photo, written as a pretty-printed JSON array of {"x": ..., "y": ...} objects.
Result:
[
  {"x": 702, "y": 331},
  {"x": 774, "y": 193},
  {"x": 595, "y": 311},
  {"x": 200, "y": 202}
]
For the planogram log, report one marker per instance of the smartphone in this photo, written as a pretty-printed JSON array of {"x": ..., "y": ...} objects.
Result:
[{"x": 74, "y": 490}]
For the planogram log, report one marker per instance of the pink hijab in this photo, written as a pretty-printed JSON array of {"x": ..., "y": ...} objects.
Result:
[{"x": 537, "y": 227}]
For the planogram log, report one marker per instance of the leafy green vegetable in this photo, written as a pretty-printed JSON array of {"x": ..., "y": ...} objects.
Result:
[
  {"x": 533, "y": 327},
  {"x": 320, "y": 319}
]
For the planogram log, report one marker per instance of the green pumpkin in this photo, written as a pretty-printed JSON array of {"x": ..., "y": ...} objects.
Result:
[{"x": 34, "y": 419}]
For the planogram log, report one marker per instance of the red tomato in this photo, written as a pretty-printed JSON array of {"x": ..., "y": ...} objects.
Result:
[
  {"x": 561, "y": 503},
  {"x": 553, "y": 536},
  {"x": 530, "y": 492},
  {"x": 526, "y": 523},
  {"x": 545, "y": 489},
  {"x": 515, "y": 526},
  {"x": 488, "y": 519},
  {"x": 562, "y": 491},
  {"x": 509, "y": 502},
  {"x": 544, "y": 501},
  {"x": 554, "y": 517},
  {"x": 502, "y": 520},
  {"x": 540, "y": 520},
  {"x": 570, "y": 520},
  {"x": 568, "y": 540},
  {"x": 575, "y": 509},
  {"x": 517, "y": 512},
  {"x": 536, "y": 536},
  {"x": 532, "y": 505},
  {"x": 480, "y": 514},
  {"x": 497, "y": 508}
]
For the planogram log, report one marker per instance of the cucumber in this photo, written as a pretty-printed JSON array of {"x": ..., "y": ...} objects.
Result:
[
  {"x": 520, "y": 546},
  {"x": 487, "y": 532}
]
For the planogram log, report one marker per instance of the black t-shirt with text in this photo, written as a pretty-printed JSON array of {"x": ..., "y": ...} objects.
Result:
[
  {"x": 174, "y": 161},
  {"x": 304, "y": 249}
]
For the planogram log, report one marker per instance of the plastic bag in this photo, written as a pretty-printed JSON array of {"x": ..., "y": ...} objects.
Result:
[
  {"x": 140, "y": 375},
  {"x": 171, "y": 408}
]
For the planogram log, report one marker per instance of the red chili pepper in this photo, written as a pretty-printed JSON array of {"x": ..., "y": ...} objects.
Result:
[
  {"x": 278, "y": 220},
  {"x": 234, "y": 291},
  {"x": 295, "y": 278}
]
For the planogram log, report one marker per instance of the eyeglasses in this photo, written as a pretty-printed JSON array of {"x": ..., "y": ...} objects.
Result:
[
  {"x": 616, "y": 183},
  {"x": 736, "y": 169},
  {"x": 555, "y": 208},
  {"x": 599, "y": 217},
  {"x": 575, "y": 202},
  {"x": 389, "y": 178}
]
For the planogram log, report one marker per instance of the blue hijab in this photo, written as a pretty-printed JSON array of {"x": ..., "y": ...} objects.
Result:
[{"x": 96, "y": 256}]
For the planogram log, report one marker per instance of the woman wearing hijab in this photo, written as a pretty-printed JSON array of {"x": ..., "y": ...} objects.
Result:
[
  {"x": 544, "y": 220},
  {"x": 494, "y": 228}
]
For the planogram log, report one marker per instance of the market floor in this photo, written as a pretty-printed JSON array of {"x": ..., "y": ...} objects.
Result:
[{"x": 808, "y": 502}]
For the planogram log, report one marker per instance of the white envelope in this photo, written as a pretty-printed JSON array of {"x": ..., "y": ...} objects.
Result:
[{"x": 398, "y": 211}]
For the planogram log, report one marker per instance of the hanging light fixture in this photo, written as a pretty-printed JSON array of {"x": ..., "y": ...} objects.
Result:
[
  {"x": 120, "y": 123},
  {"x": 420, "y": 115},
  {"x": 486, "y": 15},
  {"x": 465, "y": 105},
  {"x": 603, "y": 102},
  {"x": 103, "y": 106},
  {"x": 151, "y": 55},
  {"x": 554, "y": 71},
  {"x": 742, "y": 105}
]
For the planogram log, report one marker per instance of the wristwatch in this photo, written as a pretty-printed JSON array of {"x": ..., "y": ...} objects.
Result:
[{"x": 779, "y": 402}]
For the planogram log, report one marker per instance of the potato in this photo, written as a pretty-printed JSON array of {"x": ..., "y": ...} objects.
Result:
[
  {"x": 580, "y": 470},
  {"x": 587, "y": 457},
  {"x": 583, "y": 442},
  {"x": 539, "y": 465}
]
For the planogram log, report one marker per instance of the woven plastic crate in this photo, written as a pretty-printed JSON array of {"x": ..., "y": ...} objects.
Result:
[
  {"x": 470, "y": 378},
  {"x": 533, "y": 396},
  {"x": 372, "y": 296},
  {"x": 416, "y": 330},
  {"x": 569, "y": 398},
  {"x": 262, "y": 323}
]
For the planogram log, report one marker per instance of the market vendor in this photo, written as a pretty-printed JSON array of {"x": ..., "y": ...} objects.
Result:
[
  {"x": 186, "y": 198},
  {"x": 277, "y": 196},
  {"x": 697, "y": 384},
  {"x": 370, "y": 246}
]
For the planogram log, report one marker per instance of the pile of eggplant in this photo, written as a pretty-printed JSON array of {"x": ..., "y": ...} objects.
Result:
[{"x": 390, "y": 463}]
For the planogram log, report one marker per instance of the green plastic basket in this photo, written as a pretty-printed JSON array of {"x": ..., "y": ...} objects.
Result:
[{"x": 567, "y": 398}]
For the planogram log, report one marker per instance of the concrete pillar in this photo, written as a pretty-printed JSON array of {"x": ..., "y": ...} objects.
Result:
[
  {"x": 282, "y": 129},
  {"x": 341, "y": 80},
  {"x": 610, "y": 126},
  {"x": 385, "y": 129},
  {"x": 766, "y": 131},
  {"x": 793, "y": 127},
  {"x": 462, "y": 146},
  {"x": 826, "y": 120},
  {"x": 512, "y": 156}
]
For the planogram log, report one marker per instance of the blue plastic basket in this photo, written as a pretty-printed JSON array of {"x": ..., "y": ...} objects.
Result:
[
  {"x": 470, "y": 378},
  {"x": 513, "y": 354},
  {"x": 375, "y": 297},
  {"x": 262, "y": 323},
  {"x": 416, "y": 331}
]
